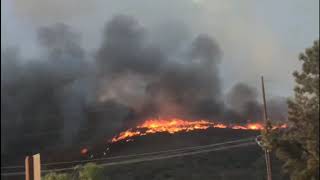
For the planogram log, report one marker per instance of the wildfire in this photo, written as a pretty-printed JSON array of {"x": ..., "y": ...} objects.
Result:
[{"x": 175, "y": 125}]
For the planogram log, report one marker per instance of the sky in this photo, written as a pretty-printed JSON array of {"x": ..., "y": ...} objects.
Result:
[{"x": 256, "y": 37}]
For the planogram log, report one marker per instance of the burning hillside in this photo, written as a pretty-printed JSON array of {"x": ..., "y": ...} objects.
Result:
[
  {"x": 68, "y": 96},
  {"x": 174, "y": 125}
]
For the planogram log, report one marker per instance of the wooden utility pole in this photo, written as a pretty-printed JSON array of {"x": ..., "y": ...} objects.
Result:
[
  {"x": 33, "y": 167},
  {"x": 267, "y": 128}
]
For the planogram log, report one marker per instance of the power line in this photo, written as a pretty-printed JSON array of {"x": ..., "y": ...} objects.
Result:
[
  {"x": 178, "y": 155},
  {"x": 134, "y": 155},
  {"x": 12, "y": 167},
  {"x": 137, "y": 160},
  {"x": 151, "y": 153}
]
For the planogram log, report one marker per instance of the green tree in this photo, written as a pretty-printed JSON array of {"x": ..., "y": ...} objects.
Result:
[{"x": 298, "y": 146}]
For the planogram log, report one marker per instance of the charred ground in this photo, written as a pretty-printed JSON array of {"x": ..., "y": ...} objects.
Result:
[{"x": 244, "y": 163}]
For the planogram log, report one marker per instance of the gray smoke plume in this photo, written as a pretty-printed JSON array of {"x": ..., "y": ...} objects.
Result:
[
  {"x": 245, "y": 106},
  {"x": 132, "y": 76},
  {"x": 243, "y": 100},
  {"x": 168, "y": 86},
  {"x": 46, "y": 94}
]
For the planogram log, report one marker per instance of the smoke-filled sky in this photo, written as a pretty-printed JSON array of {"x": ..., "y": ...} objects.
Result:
[
  {"x": 256, "y": 37},
  {"x": 102, "y": 65}
]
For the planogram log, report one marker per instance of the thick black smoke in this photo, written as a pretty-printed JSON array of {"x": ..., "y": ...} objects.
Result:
[
  {"x": 245, "y": 105},
  {"x": 132, "y": 76},
  {"x": 171, "y": 84},
  {"x": 243, "y": 100},
  {"x": 46, "y": 94}
]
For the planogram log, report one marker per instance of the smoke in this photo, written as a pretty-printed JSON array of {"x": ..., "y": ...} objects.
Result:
[
  {"x": 171, "y": 87},
  {"x": 243, "y": 101},
  {"x": 44, "y": 11},
  {"x": 48, "y": 93},
  {"x": 133, "y": 75}
]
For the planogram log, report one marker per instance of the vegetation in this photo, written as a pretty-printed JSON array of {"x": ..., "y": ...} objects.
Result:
[
  {"x": 245, "y": 163},
  {"x": 55, "y": 176},
  {"x": 298, "y": 147},
  {"x": 89, "y": 171}
]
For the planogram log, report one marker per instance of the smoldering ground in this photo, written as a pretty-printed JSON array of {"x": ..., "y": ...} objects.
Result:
[{"x": 130, "y": 77}]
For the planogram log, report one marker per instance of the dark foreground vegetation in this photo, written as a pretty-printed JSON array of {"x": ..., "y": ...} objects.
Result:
[
  {"x": 243, "y": 163},
  {"x": 299, "y": 146}
]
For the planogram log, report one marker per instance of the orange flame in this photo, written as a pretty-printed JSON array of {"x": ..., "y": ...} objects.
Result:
[
  {"x": 250, "y": 126},
  {"x": 175, "y": 125}
]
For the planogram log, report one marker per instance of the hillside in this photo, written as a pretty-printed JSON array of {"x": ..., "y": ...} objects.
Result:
[{"x": 244, "y": 163}]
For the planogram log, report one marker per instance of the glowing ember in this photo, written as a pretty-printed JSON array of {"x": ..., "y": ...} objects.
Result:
[
  {"x": 175, "y": 125},
  {"x": 84, "y": 151},
  {"x": 220, "y": 126}
]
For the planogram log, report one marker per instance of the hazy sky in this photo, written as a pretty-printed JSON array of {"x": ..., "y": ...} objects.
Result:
[{"x": 256, "y": 37}]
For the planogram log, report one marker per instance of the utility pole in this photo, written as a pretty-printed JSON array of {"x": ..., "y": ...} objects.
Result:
[{"x": 267, "y": 128}]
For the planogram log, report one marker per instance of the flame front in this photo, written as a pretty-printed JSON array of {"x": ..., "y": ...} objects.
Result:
[{"x": 175, "y": 125}]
